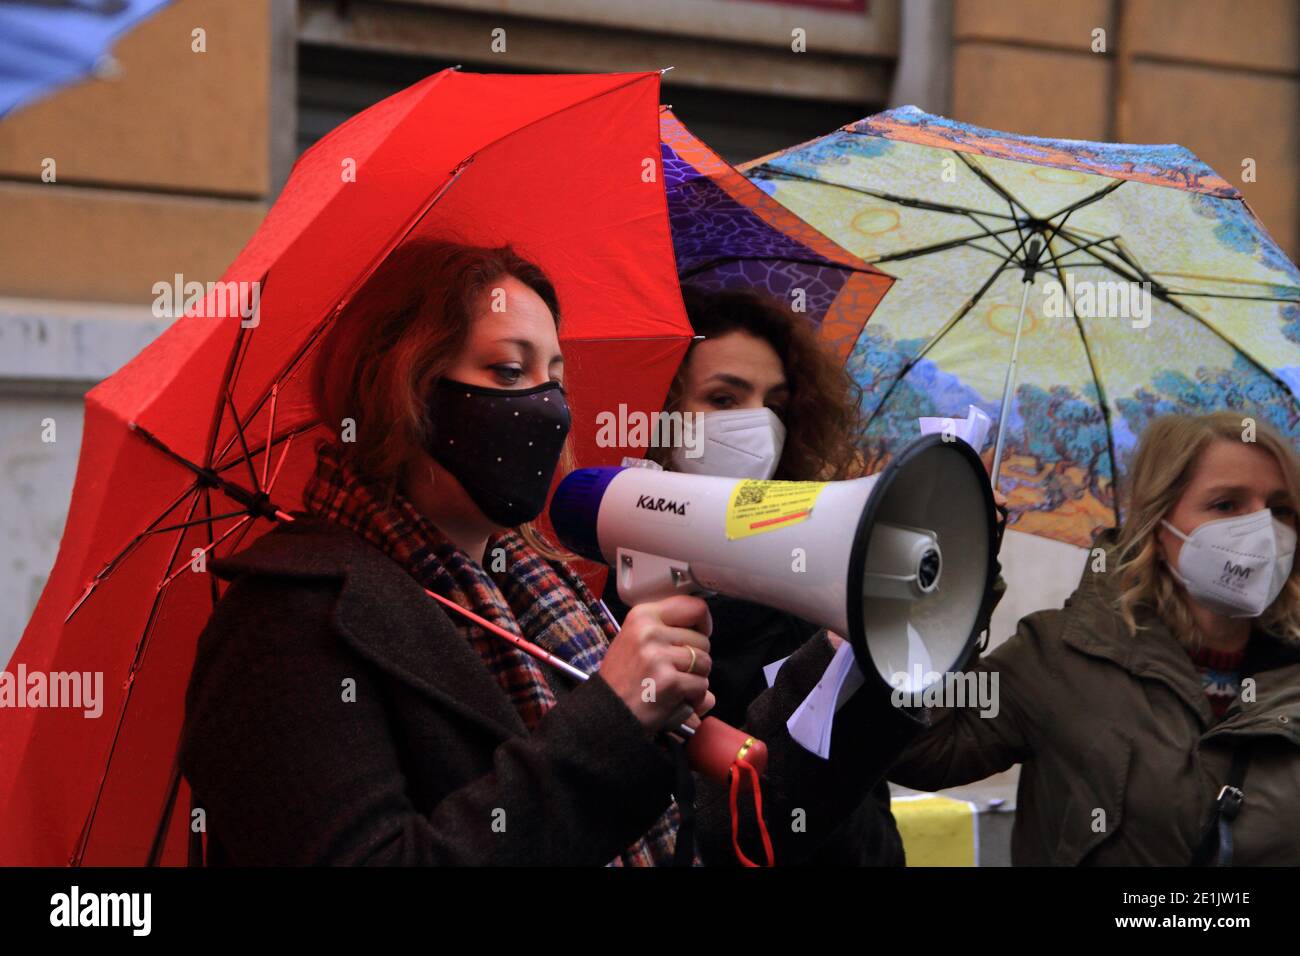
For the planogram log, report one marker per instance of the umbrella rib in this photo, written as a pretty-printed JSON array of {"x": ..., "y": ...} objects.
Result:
[
  {"x": 1230, "y": 280},
  {"x": 1242, "y": 298},
  {"x": 228, "y": 375},
  {"x": 797, "y": 260},
  {"x": 887, "y": 197},
  {"x": 994, "y": 253},
  {"x": 994, "y": 185},
  {"x": 206, "y": 494},
  {"x": 1007, "y": 263},
  {"x": 260, "y": 448},
  {"x": 198, "y": 521},
  {"x": 239, "y": 432},
  {"x": 1018, "y": 229},
  {"x": 169, "y": 805},
  {"x": 1159, "y": 291},
  {"x": 80, "y": 849},
  {"x": 284, "y": 455},
  {"x": 211, "y": 544},
  {"x": 1102, "y": 400},
  {"x": 112, "y": 563},
  {"x": 1078, "y": 247},
  {"x": 270, "y": 432},
  {"x": 992, "y": 235},
  {"x": 944, "y": 246},
  {"x": 289, "y": 370},
  {"x": 1103, "y": 262},
  {"x": 240, "y": 537},
  {"x": 1088, "y": 200},
  {"x": 921, "y": 353}
]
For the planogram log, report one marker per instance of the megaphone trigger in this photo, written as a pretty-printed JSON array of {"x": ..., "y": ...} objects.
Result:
[{"x": 646, "y": 577}]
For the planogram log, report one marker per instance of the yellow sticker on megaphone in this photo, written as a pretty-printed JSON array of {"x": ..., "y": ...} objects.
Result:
[{"x": 758, "y": 506}]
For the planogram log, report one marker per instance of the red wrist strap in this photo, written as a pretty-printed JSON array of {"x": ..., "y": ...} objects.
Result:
[{"x": 758, "y": 812}]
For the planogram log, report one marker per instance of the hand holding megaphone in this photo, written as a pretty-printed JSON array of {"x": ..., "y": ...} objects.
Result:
[
  {"x": 666, "y": 642},
  {"x": 659, "y": 663}
]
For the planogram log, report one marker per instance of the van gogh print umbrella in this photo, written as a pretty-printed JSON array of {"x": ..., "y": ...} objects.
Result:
[{"x": 962, "y": 215}]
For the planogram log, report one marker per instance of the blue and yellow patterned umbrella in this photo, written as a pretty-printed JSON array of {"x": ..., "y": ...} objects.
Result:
[{"x": 1135, "y": 280}]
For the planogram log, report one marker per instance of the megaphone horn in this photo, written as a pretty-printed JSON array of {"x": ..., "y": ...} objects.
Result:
[{"x": 899, "y": 563}]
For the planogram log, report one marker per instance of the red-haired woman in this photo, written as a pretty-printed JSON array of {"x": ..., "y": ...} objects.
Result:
[{"x": 336, "y": 714}]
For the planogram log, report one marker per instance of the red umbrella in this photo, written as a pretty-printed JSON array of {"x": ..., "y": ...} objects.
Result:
[{"x": 186, "y": 445}]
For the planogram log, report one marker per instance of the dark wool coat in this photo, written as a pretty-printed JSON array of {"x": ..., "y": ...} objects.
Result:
[{"x": 335, "y": 716}]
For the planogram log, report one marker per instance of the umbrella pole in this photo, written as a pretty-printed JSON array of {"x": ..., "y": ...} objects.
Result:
[{"x": 1030, "y": 269}]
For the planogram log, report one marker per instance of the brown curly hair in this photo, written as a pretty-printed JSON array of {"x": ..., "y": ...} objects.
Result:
[{"x": 823, "y": 421}]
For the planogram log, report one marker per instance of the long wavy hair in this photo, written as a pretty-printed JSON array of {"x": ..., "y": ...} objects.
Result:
[
  {"x": 1166, "y": 457},
  {"x": 398, "y": 335},
  {"x": 823, "y": 421}
]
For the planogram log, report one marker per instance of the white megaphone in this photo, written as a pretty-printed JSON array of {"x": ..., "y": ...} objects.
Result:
[{"x": 900, "y": 563}]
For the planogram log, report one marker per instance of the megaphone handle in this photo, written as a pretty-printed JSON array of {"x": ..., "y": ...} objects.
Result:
[{"x": 715, "y": 746}]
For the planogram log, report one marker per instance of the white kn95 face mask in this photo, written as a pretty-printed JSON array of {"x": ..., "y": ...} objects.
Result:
[
  {"x": 738, "y": 443},
  {"x": 1236, "y": 566}
]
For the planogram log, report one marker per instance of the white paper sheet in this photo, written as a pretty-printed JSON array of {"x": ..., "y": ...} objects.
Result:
[
  {"x": 812, "y": 721},
  {"x": 973, "y": 429}
]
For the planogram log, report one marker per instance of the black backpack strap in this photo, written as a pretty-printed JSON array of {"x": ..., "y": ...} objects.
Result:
[{"x": 1215, "y": 848}]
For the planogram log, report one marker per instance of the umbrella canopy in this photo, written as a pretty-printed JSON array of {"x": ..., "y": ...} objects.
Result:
[
  {"x": 1152, "y": 288},
  {"x": 729, "y": 234},
  {"x": 188, "y": 446},
  {"x": 46, "y": 44}
]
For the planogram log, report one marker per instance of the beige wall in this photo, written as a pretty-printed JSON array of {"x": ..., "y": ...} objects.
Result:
[
  {"x": 166, "y": 168},
  {"x": 732, "y": 45},
  {"x": 1221, "y": 77}
]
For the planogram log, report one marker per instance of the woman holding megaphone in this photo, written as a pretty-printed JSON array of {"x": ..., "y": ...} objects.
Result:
[
  {"x": 1157, "y": 715},
  {"x": 773, "y": 403},
  {"x": 336, "y": 714}
]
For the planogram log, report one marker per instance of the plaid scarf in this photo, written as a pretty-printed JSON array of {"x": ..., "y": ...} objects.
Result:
[{"x": 521, "y": 592}]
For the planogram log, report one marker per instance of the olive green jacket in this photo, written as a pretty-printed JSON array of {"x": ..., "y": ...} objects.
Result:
[{"x": 1122, "y": 756}]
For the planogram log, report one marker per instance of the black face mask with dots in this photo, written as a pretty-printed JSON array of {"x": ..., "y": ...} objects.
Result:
[{"x": 502, "y": 444}]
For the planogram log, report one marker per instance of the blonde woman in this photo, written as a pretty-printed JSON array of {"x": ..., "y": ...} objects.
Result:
[{"x": 1156, "y": 716}]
